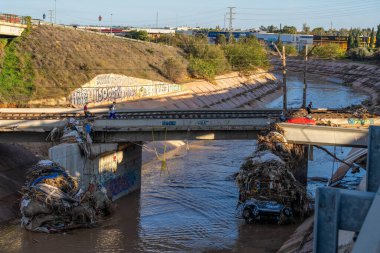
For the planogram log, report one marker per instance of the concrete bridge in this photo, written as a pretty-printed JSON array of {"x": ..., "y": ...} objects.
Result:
[
  {"x": 11, "y": 29},
  {"x": 115, "y": 157}
]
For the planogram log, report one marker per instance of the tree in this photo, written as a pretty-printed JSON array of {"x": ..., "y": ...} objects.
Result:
[
  {"x": 378, "y": 37},
  {"x": 138, "y": 35},
  {"x": 221, "y": 39},
  {"x": 289, "y": 30},
  {"x": 263, "y": 28},
  {"x": 305, "y": 28},
  {"x": 272, "y": 29},
  {"x": 350, "y": 42},
  {"x": 372, "y": 38},
  {"x": 318, "y": 31},
  {"x": 357, "y": 39},
  {"x": 343, "y": 32}
]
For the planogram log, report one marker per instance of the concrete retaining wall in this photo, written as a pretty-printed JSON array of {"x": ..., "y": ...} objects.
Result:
[
  {"x": 229, "y": 91},
  {"x": 116, "y": 167}
]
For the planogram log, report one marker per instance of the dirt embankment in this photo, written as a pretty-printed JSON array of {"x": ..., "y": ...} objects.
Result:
[
  {"x": 365, "y": 77},
  {"x": 63, "y": 59}
]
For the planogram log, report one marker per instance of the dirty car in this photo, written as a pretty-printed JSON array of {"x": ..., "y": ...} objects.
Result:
[{"x": 268, "y": 211}]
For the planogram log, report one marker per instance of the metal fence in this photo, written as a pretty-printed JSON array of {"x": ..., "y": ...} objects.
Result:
[{"x": 351, "y": 210}]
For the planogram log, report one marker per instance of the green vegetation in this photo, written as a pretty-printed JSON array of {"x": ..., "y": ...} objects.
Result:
[
  {"x": 247, "y": 54},
  {"x": 378, "y": 37},
  {"x": 291, "y": 50},
  {"x": 360, "y": 53},
  {"x": 289, "y": 30},
  {"x": 17, "y": 74},
  {"x": 330, "y": 51},
  {"x": 138, "y": 35}
]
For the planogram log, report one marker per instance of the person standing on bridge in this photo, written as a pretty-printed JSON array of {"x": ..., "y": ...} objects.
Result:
[
  {"x": 85, "y": 110},
  {"x": 112, "y": 111},
  {"x": 309, "y": 107}
]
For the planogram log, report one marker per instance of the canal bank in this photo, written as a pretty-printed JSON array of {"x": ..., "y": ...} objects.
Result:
[{"x": 362, "y": 77}]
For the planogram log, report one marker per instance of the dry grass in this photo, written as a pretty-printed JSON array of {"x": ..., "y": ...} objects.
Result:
[{"x": 65, "y": 59}]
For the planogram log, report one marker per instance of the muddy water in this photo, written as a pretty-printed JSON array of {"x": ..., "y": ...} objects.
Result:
[
  {"x": 323, "y": 93},
  {"x": 189, "y": 208}
]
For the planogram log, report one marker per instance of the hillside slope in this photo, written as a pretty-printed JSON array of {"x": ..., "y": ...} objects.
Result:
[{"x": 62, "y": 59}]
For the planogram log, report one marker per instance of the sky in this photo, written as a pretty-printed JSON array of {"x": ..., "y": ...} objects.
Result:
[{"x": 205, "y": 13}]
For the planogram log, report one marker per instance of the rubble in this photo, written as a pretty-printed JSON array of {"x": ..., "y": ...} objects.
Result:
[
  {"x": 53, "y": 202},
  {"x": 268, "y": 173}
]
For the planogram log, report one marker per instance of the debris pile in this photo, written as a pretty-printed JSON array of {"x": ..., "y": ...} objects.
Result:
[
  {"x": 53, "y": 202},
  {"x": 75, "y": 131},
  {"x": 268, "y": 173}
]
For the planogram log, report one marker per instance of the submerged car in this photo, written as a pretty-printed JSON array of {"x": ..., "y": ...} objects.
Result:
[{"x": 268, "y": 211}]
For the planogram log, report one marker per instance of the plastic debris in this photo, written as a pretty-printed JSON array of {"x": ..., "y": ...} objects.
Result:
[
  {"x": 52, "y": 201},
  {"x": 267, "y": 175}
]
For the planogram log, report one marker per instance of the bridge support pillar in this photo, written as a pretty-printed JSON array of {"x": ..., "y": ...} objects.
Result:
[
  {"x": 117, "y": 167},
  {"x": 301, "y": 169}
]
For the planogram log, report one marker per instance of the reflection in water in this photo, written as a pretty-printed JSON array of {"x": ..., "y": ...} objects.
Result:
[
  {"x": 193, "y": 208},
  {"x": 323, "y": 94}
]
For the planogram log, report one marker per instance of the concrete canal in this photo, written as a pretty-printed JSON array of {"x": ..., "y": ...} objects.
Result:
[{"x": 191, "y": 207}]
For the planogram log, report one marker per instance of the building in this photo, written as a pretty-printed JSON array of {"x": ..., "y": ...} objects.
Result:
[
  {"x": 297, "y": 40},
  {"x": 342, "y": 41}
]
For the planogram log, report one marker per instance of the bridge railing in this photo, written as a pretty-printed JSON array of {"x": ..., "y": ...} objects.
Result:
[
  {"x": 12, "y": 18},
  {"x": 349, "y": 210}
]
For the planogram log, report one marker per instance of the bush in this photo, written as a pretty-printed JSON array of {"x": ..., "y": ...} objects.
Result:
[
  {"x": 246, "y": 54},
  {"x": 376, "y": 55},
  {"x": 138, "y": 35},
  {"x": 330, "y": 51},
  {"x": 360, "y": 54},
  {"x": 291, "y": 50},
  {"x": 205, "y": 61},
  {"x": 174, "y": 69}
]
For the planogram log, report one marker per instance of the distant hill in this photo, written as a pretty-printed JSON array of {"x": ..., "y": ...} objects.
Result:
[{"x": 52, "y": 61}]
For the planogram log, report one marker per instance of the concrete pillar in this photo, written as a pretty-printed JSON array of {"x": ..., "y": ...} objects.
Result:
[
  {"x": 301, "y": 169},
  {"x": 117, "y": 167}
]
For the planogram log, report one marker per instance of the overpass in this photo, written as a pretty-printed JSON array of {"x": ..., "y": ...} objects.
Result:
[
  {"x": 8, "y": 29},
  {"x": 143, "y": 125},
  {"x": 34, "y": 125}
]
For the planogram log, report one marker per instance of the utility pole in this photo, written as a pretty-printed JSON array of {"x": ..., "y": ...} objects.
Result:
[
  {"x": 284, "y": 89},
  {"x": 304, "y": 80},
  {"x": 55, "y": 11},
  {"x": 307, "y": 54},
  {"x": 51, "y": 15}
]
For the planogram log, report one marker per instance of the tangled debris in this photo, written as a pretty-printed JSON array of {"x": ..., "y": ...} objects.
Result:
[
  {"x": 53, "y": 202},
  {"x": 269, "y": 173},
  {"x": 75, "y": 131}
]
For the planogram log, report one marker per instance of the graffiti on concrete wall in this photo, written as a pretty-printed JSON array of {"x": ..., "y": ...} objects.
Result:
[
  {"x": 107, "y": 88},
  {"x": 357, "y": 121},
  {"x": 116, "y": 183}
]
